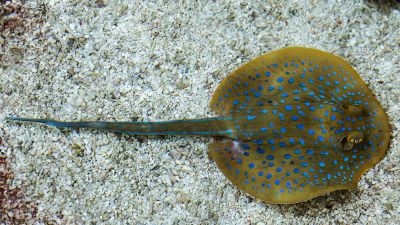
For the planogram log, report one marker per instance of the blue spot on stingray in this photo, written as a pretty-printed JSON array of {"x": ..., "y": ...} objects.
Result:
[
  {"x": 324, "y": 153},
  {"x": 251, "y": 117},
  {"x": 288, "y": 156},
  {"x": 277, "y": 182},
  {"x": 295, "y": 118},
  {"x": 271, "y": 88},
  {"x": 321, "y": 164},
  {"x": 300, "y": 126},
  {"x": 260, "y": 88},
  {"x": 288, "y": 107},
  {"x": 306, "y": 174},
  {"x": 291, "y": 80},
  {"x": 251, "y": 165},
  {"x": 333, "y": 117},
  {"x": 239, "y": 161},
  {"x": 267, "y": 73},
  {"x": 320, "y": 138},
  {"x": 295, "y": 92},
  {"x": 270, "y": 157},
  {"x": 260, "y": 150},
  {"x": 346, "y": 159},
  {"x": 309, "y": 152},
  {"x": 263, "y": 129},
  {"x": 235, "y": 102},
  {"x": 279, "y": 169},
  {"x": 304, "y": 164},
  {"x": 280, "y": 79},
  {"x": 261, "y": 173},
  {"x": 311, "y": 132}
]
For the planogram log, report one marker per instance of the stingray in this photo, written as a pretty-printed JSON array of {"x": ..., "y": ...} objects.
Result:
[{"x": 293, "y": 124}]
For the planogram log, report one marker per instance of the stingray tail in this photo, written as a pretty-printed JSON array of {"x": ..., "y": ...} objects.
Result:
[{"x": 208, "y": 126}]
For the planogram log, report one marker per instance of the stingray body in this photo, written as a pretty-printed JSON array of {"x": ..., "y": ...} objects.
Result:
[{"x": 294, "y": 124}]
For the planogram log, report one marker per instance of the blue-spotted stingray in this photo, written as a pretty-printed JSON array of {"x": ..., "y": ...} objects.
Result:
[{"x": 293, "y": 124}]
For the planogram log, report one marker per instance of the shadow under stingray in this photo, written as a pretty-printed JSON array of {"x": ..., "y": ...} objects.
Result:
[{"x": 383, "y": 6}]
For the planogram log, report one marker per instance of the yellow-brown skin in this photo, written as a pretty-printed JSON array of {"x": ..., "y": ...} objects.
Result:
[{"x": 345, "y": 155}]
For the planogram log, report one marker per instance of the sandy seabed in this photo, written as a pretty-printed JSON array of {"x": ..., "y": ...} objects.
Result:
[{"x": 159, "y": 60}]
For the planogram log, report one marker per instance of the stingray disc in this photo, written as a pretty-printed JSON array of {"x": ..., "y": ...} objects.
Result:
[{"x": 303, "y": 124}]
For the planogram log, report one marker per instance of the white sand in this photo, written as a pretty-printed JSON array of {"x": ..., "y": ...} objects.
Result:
[{"x": 156, "y": 61}]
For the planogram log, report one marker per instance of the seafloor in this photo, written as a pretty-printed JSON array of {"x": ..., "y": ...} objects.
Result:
[{"x": 158, "y": 60}]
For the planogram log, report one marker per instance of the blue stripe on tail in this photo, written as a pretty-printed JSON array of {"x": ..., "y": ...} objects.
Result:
[
  {"x": 187, "y": 127},
  {"x": 43, "y": 121}
]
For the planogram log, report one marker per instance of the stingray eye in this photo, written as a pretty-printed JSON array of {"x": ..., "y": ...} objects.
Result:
[{"x": 354, "y": 137}]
